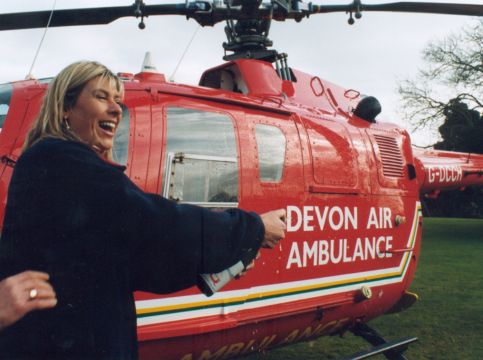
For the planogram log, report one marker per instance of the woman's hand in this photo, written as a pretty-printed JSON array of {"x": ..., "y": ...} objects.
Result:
[
  {"x": 22, "y": 293},
  {"x": 275, "y": 226}
]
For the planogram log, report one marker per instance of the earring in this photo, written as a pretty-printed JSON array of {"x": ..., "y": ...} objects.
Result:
[{"x": 66, "y": 122}]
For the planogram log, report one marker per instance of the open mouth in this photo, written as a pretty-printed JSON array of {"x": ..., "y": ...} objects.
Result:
[{"x": 109, "y": 126}]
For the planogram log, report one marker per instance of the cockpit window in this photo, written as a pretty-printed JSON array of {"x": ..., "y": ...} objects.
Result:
[
  {"x": 5, "y": 97},
  {"x": 271, "y": 152},
  {"x": 121, "y": 141}
]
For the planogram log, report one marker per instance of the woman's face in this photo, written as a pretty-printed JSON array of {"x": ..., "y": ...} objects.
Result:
[{"x": 96, "y": 114}]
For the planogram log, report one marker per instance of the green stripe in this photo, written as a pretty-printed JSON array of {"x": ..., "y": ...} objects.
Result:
[{"x": 220, "y": 304}]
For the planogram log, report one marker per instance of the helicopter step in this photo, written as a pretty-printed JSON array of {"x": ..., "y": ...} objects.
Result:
[{"x": 392, "y": 350}]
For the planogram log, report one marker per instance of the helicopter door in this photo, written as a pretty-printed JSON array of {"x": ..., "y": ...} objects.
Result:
[
  {"x": 334, "y": 161},
  {"x": 201, "y": 161},
  {"x": 273, "y": 179},
  {"x": 136, "y": 143},
  {"x": 277, "y": 176}
]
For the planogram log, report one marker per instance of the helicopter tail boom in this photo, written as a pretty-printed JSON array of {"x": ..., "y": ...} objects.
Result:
[{"x": 446, "y": 170}]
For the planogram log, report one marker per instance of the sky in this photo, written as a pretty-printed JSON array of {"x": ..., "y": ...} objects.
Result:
[{"x": 371, "y": 56}]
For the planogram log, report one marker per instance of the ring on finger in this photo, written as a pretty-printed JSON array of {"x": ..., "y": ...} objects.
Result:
[{"x": 33, "y": 294}]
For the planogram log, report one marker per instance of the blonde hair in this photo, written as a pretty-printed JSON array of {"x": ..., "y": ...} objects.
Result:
[{"x": 62, "y": 95}]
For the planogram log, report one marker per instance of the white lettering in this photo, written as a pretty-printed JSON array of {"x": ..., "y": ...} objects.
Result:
[
  {"x": 380, "y": 254},
  {"x": 333, "y": 225},
  {"x": 346, "y": 248},
  {"x": 303, "y": 218},
  {"x": 310, "y": 252},
  {"x": 322, "y": 219},
  {"x": 333, "y": 259},
  {"x": 358, "y": 250},
  {"x": 370, "y": 248},
  {"x": 387, "y": 218},
  {"x": 372, "y": 221},
  {"x": 291, "y": 210},
  {"x": 350, "y": 217},
  {"x": 323, "y": 252},
  {"x": 294, "y": 257},
  {"x": 388, "y": 246},
  {"x": 308, "y": 218},
  {"x": 448, "y": 173},
  {"x": 431, "y": 174}
]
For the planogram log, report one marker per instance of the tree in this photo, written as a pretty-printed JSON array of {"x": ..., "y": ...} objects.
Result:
[
  {"x": 454, "y": 74},
  {"x": 462, "y": 129}
]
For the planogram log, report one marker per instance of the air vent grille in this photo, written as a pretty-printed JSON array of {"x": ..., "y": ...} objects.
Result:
[{"x": 391, "y": 156}]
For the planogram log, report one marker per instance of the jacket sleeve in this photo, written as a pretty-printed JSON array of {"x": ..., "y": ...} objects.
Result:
[{"x": 177, "y": 242}]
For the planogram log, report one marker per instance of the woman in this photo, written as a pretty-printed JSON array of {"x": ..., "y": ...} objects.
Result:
[{"x": 74, "y": 214}]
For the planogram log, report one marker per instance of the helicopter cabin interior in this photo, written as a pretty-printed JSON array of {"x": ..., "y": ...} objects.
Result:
[
  {"x": 248, "y": 77},
  {"x": 226, "y": 77}
]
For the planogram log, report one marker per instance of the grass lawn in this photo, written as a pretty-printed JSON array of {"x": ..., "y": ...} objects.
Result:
[{"x": 448, "y": 319}]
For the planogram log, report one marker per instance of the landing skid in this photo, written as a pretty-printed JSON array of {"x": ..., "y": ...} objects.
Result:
[{"x": 392, "y": 350}]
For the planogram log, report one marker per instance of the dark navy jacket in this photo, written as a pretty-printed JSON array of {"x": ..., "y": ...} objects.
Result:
[{"x": 80, "y": 219}]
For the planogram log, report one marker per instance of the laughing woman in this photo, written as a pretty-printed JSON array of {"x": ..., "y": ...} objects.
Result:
[{"x": 73, "y": 214}]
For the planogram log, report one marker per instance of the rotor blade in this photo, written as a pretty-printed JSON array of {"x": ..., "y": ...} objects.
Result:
[
  {"x": 406, "y": 6},
  {"x": 39, "y": 19},
  {"x": 92, "y": 16},
  {"x": 207, "y": 13}
]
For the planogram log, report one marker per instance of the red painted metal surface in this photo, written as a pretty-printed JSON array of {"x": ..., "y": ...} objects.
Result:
[
  {"x": 350, "y": 187},
  {"x": 444, "y": 170}
]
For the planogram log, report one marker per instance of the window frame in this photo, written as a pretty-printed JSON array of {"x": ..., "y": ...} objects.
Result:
[
  {"x": 281, "y": 132},
  {"x": 126, "y": 118},
  {"x": 166, "y": 163},
  {"x": 170, "y": 172}
]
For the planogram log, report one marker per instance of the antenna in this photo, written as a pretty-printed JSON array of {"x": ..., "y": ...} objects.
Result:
[
  {"x": 171, "y": 78},
  {"x": 29, "y": 74},
  {"x": 148, "y": 65}
]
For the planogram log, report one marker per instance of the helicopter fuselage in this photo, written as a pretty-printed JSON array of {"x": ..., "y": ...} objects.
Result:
[
  {"x": 261, "y": 138},
  {"x": 247, "y": 138}
]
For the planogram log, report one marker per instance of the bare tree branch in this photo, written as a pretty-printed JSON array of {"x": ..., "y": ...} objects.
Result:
[{"x": 455, "y": 65}]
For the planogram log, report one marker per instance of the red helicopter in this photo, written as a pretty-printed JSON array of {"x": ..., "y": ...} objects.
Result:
[{"x": 259, "y": 134}]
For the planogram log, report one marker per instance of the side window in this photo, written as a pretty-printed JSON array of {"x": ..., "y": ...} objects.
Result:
[
  {"x": 121, "y": 141},
  {"x": 201, "y": 164},
  {"x": 271, "y": 152},
  {"x": 5, "y": 97}
]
